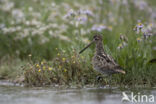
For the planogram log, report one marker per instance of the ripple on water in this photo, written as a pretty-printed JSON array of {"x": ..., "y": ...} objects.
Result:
[{"x": 11, "y": 94}]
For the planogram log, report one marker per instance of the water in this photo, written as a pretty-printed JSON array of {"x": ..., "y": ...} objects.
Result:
[{"x": 10, "y": 94}]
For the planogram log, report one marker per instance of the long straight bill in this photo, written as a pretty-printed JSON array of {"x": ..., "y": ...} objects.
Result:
[{"x": 86, "y": 47}]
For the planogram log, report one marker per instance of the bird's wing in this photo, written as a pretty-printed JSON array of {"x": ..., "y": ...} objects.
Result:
[
  {"x": 109, "y": 59},
  {"x": 105, "y": 62}
]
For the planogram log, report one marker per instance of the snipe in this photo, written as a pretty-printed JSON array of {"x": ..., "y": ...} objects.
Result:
[{"x": 102, "y": 62}]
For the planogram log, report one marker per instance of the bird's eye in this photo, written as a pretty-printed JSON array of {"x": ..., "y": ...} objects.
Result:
[{"x": 96, "y": 38}]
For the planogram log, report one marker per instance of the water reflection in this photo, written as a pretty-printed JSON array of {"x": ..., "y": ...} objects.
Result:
[{"x": 10, "y": 94}]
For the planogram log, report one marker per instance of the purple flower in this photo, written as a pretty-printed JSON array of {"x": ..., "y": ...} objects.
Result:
[
  {"x": 70, "y": 13},
  {"x": 86, "y": 12},
  {"x": 140, "y": 25},
  {"x": 98, "y": 28}
]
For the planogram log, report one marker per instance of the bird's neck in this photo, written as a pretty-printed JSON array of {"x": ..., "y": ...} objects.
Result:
[{"x": 99, "y": 47}]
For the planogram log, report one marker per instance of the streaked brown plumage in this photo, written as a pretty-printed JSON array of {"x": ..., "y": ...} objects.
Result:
[{"x": 101, "y": 61}]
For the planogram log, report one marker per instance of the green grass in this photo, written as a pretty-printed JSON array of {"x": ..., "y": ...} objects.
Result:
[{"x": 46, "y": 35}]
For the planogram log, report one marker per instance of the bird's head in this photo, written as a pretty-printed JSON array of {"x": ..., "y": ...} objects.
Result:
[{"x": 96, "y": 38}]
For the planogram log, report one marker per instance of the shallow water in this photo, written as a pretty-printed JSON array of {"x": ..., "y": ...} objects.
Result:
[{"x": 10, "y": 94}]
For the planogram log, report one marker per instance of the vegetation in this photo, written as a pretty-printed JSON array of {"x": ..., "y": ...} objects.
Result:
[{"x": 40, "y": 40}]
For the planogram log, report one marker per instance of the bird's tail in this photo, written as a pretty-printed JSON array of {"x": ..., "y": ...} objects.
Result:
[{"x": 120, "y": 71}]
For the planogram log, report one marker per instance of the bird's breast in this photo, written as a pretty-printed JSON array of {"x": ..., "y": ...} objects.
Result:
[{"x": 98, "y": 62}]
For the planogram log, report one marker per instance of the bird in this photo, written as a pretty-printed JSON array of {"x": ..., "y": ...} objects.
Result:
[{"x": 101, "y": 61}]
